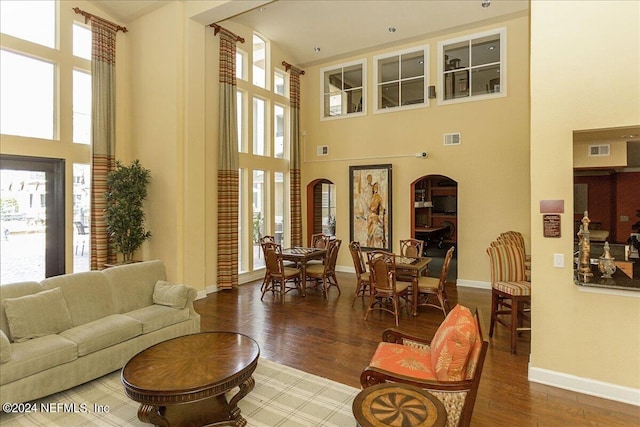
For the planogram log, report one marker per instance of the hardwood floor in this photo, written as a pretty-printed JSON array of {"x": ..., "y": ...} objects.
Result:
[{"x": 329, "y": 338}]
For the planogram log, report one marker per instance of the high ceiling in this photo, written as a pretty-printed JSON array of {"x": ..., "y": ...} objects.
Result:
[{"x": 340, "y": 28}]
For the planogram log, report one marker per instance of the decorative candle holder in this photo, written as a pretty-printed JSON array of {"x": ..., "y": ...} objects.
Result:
[{"x": 606, "y": 263}]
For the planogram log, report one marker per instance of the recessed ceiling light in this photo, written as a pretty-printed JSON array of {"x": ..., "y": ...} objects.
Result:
[
  {"x": 316, "y": 49},
  {"x": 392, "y": 29},
  {"x": 486, "y": 3}
]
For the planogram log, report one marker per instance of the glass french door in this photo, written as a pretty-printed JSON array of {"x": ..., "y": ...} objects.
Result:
[{"x": 31, "y": 218}]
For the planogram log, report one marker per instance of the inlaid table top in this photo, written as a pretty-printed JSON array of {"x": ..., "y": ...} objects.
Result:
[
  {"x": 398, "y": 405},
  {"x": 191, "y": 369}
]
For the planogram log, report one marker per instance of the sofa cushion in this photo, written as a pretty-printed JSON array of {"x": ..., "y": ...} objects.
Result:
[
  {"x": 87, "y": 294},
  {"x": 103, "y": 333},
  {"x": 156, "y": 317},
  {"x": 452, "y": 344},
  {"x": 170, "y": 294},
  {"x": 37, "y": 315},
  {"x": 5, "y": 348},
  {"x": 412, "y": 361},
  {"x": 132, "y": 285},
  {"x": 37, "y": 355},
  {"x": 15, "y": 290}
]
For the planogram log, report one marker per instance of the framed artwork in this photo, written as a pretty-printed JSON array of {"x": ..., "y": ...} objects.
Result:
[{"x": 370, "y": 206}]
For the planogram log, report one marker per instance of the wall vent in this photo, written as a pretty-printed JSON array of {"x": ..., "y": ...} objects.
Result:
[
  {"x": 452, "y": 138},
  {"x": 599, "y": 150},
  {"x": 323, "y": 150}
]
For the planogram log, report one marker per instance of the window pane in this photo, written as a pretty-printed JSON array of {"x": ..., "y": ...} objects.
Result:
[
  {"x": 354, "y": 100},
  {"x": 279, "y": 83},
  {"x": 280, "y": 208},
  {"x": 485, "y": 80},
  {"x": 81, "y": 41},
  {"x": 388, "y": 95},
  {"x": 241, "y": 216},
  {"x": 413, "y": 64},
  {"x": 19, "y": 19},
  {"x": 259, "y": 135},
  {"x": 388, "y": 69},
  {"x": 81, "y": 216},
  {"x": 279, "y": 131},
  {"x": 456, "y": 55},
  {"x": 240, "y": 66},
  {"x": 240, "y": 118},
  {"x": 81, "y": 107},
  {"x": 258, "y": 216},
  {"x": 456, "y": 84},
  {"x": 412, "y": 91},
  {"x": 259, "y": 61},
  {"x": 26, "y": 96},
  {"x": 353, "y": 76},
  {"x": 486, "y": 50}
]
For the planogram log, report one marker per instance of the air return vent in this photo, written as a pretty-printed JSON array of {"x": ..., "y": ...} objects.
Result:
[
  {"x": 452, "y": 138},
  {"x": 599, "y": 150},
  {"x": 323, "y": 150}
]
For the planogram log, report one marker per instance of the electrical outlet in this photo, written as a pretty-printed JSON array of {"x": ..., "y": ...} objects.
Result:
[{"x": 558, "y": 260}]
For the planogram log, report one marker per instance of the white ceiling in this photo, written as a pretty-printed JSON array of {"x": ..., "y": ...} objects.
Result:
[{"x": 340, "y": 27}]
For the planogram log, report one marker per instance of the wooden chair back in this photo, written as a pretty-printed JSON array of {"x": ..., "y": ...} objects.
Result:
[
  {"x": 332, "y": 256},
  {"x": 445, "y": 267},
  {"x": 320, "y": 241},
  {"x": 358, "y": 258},
  {"x": 273, "y": 259},
  {"x": 506, "y": 262},
  {"x": 411, "y": 248}
]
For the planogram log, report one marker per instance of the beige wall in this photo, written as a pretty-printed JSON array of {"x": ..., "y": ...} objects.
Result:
[
  {"x": 590, "y": 337},
  {"x": 491, "y": 165}
]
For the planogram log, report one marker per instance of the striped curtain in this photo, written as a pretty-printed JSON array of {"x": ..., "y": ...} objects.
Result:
[
  {"x": 228, "y": 163},
  {"x": 294, "y": 168},
  {"x": 103, "y": 61}
]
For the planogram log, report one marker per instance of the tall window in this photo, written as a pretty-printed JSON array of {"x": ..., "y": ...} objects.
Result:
[
  {"x": 401, "y": 79},
  {"x": 473, "y": 66},
  {"x": 81, "y": 107},
  {"x": 259, "y": 62},
  {"x": 18, "y": 19},
  {"x": 278, "y": 131},
  {"x": 280, "y": 82},
  {"x": 259, "y": 126},
  {"x": 343, "y": 90},
  {"x": 258, "y": 225}
]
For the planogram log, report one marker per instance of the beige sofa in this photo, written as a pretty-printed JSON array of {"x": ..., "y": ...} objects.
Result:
[{"x": 70, "y": 329}]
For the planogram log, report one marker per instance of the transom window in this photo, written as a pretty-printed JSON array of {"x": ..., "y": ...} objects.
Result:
[
  {"x": 401, "y": 79},
  {"x": 343, "y": 90},
  {"x": 473, "y": 66}
]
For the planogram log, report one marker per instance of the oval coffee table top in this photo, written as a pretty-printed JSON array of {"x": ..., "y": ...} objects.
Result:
[
  {"x": 397, "y": 404},
  {"x": 208, "y": 362}
]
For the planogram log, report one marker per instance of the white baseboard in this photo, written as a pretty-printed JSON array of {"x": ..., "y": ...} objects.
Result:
[
  {"x": 473, "y": 284},
  {"x": 585, "y": 385}
]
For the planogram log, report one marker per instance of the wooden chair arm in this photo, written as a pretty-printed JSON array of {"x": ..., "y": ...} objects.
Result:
[
  {"x": 372, "y": 375},
  {"x": 396, "y": 336}
]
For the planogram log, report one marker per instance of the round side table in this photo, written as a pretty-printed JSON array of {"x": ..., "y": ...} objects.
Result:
[{"x": 399, "y": 405}]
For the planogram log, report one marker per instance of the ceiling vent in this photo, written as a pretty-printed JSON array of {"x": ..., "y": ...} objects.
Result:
[
  {"x": 599, "y": 150},
  {"x": 452, "y": 138},
  {"x": 323, "y": 150}
]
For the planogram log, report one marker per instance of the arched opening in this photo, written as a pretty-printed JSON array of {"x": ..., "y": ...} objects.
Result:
[{"x": 321, "y": 208}]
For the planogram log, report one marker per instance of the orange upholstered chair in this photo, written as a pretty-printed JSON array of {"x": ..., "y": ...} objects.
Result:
[
  {"x": 449, "y": 366},
  {"x": 510, "y": 291}
]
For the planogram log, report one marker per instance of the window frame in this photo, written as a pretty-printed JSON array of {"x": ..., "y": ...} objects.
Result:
[
  {"x": 425, "y": 78},
  {"x": 502, "y": 33},
  {"x": 342, "y": 66}
]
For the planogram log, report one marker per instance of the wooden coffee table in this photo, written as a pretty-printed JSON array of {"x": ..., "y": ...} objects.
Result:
[
  {"x": 397, "y": 404},
  {"x": 183, "y": 381}
]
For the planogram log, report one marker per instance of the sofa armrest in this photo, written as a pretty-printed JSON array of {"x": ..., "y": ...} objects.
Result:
[{"x": 5, "y": 348}]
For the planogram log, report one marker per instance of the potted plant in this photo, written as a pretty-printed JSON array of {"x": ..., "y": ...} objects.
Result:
[{"x": 126, "y": 191}]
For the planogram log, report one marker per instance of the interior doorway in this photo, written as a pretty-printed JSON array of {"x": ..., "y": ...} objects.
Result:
[
  {"x": 32, "y": 218},
  {"x": 321, "y": 208}
]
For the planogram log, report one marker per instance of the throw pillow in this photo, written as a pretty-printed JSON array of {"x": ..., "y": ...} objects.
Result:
[
  {"x": 5, "y": 348},
  {"x": 170, "y": 294},
  {"x": 452, "y": 344},
  {"x": 37, "y": 315}
]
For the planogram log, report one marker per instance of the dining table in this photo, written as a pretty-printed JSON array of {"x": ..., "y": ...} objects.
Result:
[
  {"x": 412, "y": 268},
  {"x": 300, "y": 256}
]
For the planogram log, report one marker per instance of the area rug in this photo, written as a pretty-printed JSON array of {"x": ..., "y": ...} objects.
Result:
[{"x": 282, "y": 396}]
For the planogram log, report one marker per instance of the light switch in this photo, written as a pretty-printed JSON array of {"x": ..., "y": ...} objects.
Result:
[{"x": 558, "y": 260}]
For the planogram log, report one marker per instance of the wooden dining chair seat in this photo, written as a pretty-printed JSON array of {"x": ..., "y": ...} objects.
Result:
[
  {"x": 432, "y": 287},
  {"x": 385, "y": 291},
  {"x": 325, "y": 274},
  {"x": 362, "y": 275}
]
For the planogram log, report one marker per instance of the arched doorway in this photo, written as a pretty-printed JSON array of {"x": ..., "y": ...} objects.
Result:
[
  {"x": 434, "y": 210},
  {"x": 321, "y": 208}
]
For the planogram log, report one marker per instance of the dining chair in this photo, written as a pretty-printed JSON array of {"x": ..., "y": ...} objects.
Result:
[
  {"x": 320, "y": 240},
  {"x": 278, "y": 274},
  {"x": 517, "y": 239},
  {"x": 429, "y": 287},
  {"x": 264, "y": 240},
  {"x": 510, "y": 292},
  {"x": 448, "y": 366},
  {"x": 411, "y": 248},
  {"x": 385, "y": 290},
  {"x": 362, "y": 275},
  {"x": 325, "y": 274}
]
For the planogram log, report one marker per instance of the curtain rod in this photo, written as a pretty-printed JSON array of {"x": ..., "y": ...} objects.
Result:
[
  {"x": 88, "y": 16},
  {"x": 217, "y": 29},
  {"x": 287, "y": 66}
]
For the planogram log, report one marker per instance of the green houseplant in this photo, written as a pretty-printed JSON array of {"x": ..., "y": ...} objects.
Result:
[{"x": 126, "y": 191}]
